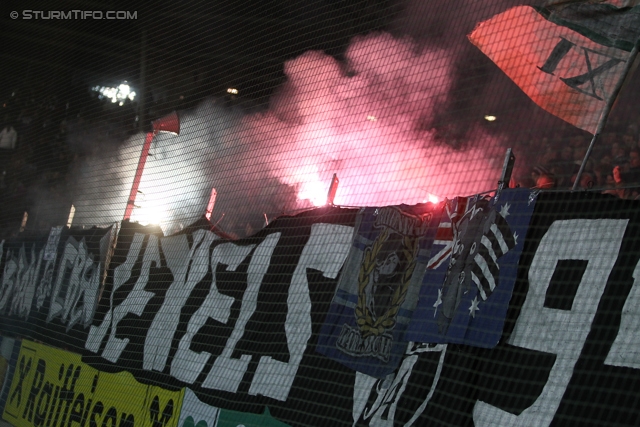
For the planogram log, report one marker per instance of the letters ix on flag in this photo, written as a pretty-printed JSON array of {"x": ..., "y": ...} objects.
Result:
[{"x": 562, "y": 71}]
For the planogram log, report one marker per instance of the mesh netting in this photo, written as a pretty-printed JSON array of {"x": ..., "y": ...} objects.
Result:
[{"x": 319, "y": 213}]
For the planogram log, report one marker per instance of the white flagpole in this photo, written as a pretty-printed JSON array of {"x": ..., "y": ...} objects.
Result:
[{"x": 605, "y": 112}]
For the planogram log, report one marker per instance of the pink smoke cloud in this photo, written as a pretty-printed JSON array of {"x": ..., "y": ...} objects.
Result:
[
  {"x": 365, "y": 119},
  {"x": 364, "y": 122}
]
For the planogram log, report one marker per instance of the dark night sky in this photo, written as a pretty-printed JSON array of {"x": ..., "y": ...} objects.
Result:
[
  {"x": 201, "y": 48},
  {"x": 242, "y": 43},
  {"x": 195, "y": 50}
]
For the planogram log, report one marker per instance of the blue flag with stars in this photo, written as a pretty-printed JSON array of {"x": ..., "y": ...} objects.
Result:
[{"x": 470, "y": 276}]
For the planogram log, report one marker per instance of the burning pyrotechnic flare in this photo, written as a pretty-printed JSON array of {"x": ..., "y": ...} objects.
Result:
[{"x": 365, "y": 120}]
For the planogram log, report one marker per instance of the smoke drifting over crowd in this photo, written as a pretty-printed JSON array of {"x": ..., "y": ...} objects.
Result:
[{"x": 365, "y": 119}]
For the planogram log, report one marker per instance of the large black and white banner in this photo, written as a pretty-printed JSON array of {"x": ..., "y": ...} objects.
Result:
[
  {"x": 237, "y": 323},
  {"x": 234, "y": 321},
  {"x": 51, "y": 283}
]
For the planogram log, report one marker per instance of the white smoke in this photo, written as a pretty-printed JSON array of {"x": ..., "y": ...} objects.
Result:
[{"x": 364, "y": 119}]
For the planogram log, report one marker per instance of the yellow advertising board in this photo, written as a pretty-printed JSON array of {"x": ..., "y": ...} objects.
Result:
[{"x": 54, "y": 388}]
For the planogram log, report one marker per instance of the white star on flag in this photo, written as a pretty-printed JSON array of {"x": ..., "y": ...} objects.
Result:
[
  {"x": 438, "y": 302},
  {"x": 474, "y": 307},
  {"x": 504, "y": 210}
]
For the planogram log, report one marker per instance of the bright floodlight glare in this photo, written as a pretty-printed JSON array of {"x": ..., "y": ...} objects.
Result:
[
  {"x": 372, "y": 118},
  {"x": 490, "y": 118},
  {"x": 116, "y": 94},
  {"x": 232, "y": 90}
]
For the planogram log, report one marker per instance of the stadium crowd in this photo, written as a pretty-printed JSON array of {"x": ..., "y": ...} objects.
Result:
[{"x": 613, "y": 166}]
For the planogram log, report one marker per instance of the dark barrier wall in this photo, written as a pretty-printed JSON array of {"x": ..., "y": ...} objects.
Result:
[{"x": 233, "y": 326}]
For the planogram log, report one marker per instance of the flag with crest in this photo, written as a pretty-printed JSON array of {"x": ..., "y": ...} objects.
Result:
[{"x": 378, "y": 288}]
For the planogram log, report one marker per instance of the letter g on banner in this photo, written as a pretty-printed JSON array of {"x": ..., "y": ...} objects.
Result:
[{"x": 556, "y": 331}]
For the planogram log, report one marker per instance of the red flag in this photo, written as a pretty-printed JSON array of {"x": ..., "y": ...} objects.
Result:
[{"x": 563, "y": 71}]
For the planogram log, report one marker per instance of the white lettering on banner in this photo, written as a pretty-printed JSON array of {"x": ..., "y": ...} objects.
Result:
[
  {"x": 22, "y": 282},
  {"x": 121, "y": 274},
  {"x": 25, "y": 284},
  {"x": 19, "y": 282},
  {"x": 187, "y": 364},
  {"x": 389, "y": 391},
  {"x": 625, "y": 350},
  {"x": 83, "y": 282},
  {"x": 188, "y": 266},
  {"x": 45, "y": 285},
  {"x": 8, "y": 282},
  {"x": 363, "y": 386},
  {"x": 560, "y": 332},
  {"x": 226, "y": 373},
  {"x": 136, "y": 300},
  {"x": 325, "y": 251}
]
